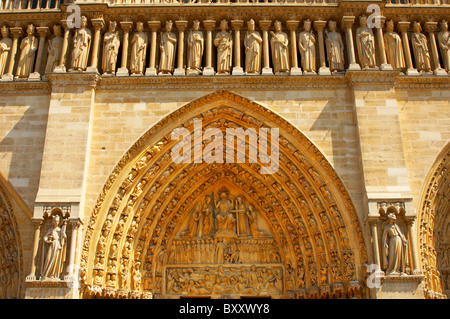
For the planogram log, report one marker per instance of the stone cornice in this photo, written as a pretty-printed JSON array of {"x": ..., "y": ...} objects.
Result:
[
  {"x": 73, "y": 79},
  {"x": 25, "y": 88}
]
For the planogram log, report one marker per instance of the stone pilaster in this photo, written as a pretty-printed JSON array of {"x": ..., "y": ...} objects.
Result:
[
  {"x": 126, "y": 27},
  {"x": 154, "y": 27},
  {"x": 209, "y": 26},
  {"x": 292, "y": 26},
  {"x": 265, "y": 25},
  {"x": 347, "y": 24},
  {"x": 99, "y": 24},
  {"x": 237, "y": 68},
  {"x": 181, "y": 26}
]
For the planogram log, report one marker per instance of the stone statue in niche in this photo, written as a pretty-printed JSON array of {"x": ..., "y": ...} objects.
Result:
[
  {"x": 252, "y": 44},
  {"x": 443, "y": 41},
  {"x": 420, "y": 49},
  {"x": 393, "y": 247},
  {"x": 365, "y": 42},
  {"x": 280, "y": 50},
  {"x": 111, "y": 44},
  {"x": 5, "y": 48},
  {"x": 28, "y": 47},
  {"x": 195, "y": 49},
  {"x": 54, "y": 49},
  {"x": 139, "y": 44},
  {"x": 307, "y": 47},
  {"x": 394, "y": 48},
  {"x": 167, "y": 48},
  {"x": 81, "y": 45},
  {"x": 335, "y": 48},
  {"x": 54, "y": 241},
  {"x": 224, "y": 43}
]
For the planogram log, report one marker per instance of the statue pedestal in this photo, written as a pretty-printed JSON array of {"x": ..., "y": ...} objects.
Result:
[
  {"x": 208, "y": 71},
  {"x": 400, "y": 287},
  {"x": 55, "y": 289},
  {"x": 7, "y": 77},
  {"x": 122, "y": 72},
  {"x": 296, "y": 71},
  {"x": 267, "y": 71},
  {"x": 179, "y": 71},
  {"x": 237, "y": 70},
  {"x": 150, "y": 72}
]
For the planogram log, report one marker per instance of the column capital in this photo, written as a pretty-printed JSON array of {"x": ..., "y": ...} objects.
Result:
[
  {"x": 37, "y": 222},
  {"x": 181, "y": 25},
  {"x": 403, "y": 26},
  {"x": 16, "y": 31},
  {"x": 154, "y": 25},
  {"x": 319, "y": 25},
  {"x": 126, "y": 25},
  {"x": 237, "y": 24},
  {"x": 265, "y": 24},
  {"x": 292, "y": 25},
  {"x": 430, "y": 26},
  {"x": 347, "y": 22},
  {"x": 209, "y": 24},
  {"x": 98, "y": 23},
  {"x": 43, "y": 31}
]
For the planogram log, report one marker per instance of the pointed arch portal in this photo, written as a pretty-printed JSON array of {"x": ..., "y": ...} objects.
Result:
[{"x": 169, "y": 230}]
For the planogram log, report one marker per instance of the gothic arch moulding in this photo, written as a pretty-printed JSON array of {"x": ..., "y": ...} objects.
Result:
[
  {"x": 434, "y": 227},
  {"x": 165, "y": 230},
  {"x": 12, "y": 276}
]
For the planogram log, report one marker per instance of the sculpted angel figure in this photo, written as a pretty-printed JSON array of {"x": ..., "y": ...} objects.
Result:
[
  {"x": 81, "y": 45},
  {"x": 252, "y": 44},
  {"x": 224, "y": 43},
  {"x": 167, "y": 48},
  {"x": 335, "y": 48},
  {"x": 54, "y": 49},
  {"x": 280, "y": 50},
  {"x": 394, "y": 48},
  {"x": 139, "y": 44},
  {"x": 307, "y": 47},
  {"x": 443, "y": 41},
  {"x": 111, "y": 44},
  {"x": 365, "y": 42},
  {"x": 420, "y": 49},
  {"x": 394, "y": 247},
  {"x": 195, "y": 49},
  {"x": 5, "y": 48},
  {"x": 54, "y": 249},
  {"x": 28, "y": 48}
]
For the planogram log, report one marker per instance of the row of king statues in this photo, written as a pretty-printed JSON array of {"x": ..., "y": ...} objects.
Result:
[{"x": 223, "y": 41}]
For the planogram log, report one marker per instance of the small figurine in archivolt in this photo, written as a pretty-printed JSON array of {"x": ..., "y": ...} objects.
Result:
[
  {"x": 54, "y": 248},
  {"x": 394, "y": 247}
]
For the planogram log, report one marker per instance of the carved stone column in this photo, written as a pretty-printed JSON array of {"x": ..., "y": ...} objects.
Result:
[
  {"x": 43, "y": 32},
  {"x": 154, "y": 27},
  {"x": 126, "y": 27},
  {"x": 430, "y": 28},
  {"x": 181, "y": 26},
  {"x": 265, "y": 25},
  {"x": 209, "y": 26},
  {"x": 37, "y": 235},
  {"x": 292, "y": 25},
  {"x": 237, "y": 25},
  {"x": 347, "y": 23},
  {"x": 323, "y": 69},
  {"x": 403, "y": 27},
  {"x": 373, "y": 222},
  {"x": 73, "y": 243},
  {"x": 17, "y": 32},
  {"x": 380, "y": 43},
  {"x": 61, "y": 68},
  {"x": 98, "y": 24},
  {"x": 415, "y": 260}
]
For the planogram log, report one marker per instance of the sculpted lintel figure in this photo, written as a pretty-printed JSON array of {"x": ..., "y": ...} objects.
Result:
[
  {"x": 195, "y": 49},
  {"x": 81, "y": 46},
  {"x": 139, "y": 44},
  {"x": 394, "y": 48},
  {"x": 252, "y": 43},
  {"x": 307, "y": 47},
  {"x": 394, "y": 246},
  {"x": 224, "y": 43},
  {"x": 167, "y": 48},
  {"x": 111, "y": 44},
  {"x": 444, "y": 44},
  {"x": 365, "y": 43},
  {"x": 280, "y": 50},
  {"x": 54, "y": 49},
  {"x": 28, "y": 48},
  {"x": 420, "y": 49},
  {"x": 54, "y": 249},
  {"x": 5, "y": 48},
  {"x": 335, "y": 48}
]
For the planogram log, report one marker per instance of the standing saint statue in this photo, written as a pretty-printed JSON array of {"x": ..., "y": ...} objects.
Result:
[
  {"x": 443, "y": 41},
  {"x": 394, "y": 48},
  {"x": 420, "y": 49},
  {"x": 224, "y": 43},
  {"x": 365, "y": 42},
  {"x": 81, "y": 45},
  {"x": 167, "y": 48},
  {"x": 393, "y": 244},
  {"x": 207, "y": 217},
  {"x": 194, "y": 224},
  {"x": 28, "y": 48},
  {"x": 54, "y": 249},
  {"x": 252, "y": 44},
  {"x": 139, "y": 44},
  {"x": 5, "y": 48},
  {"x": 335, "y": 48},
  {"x": 253, "y": 221},
  {"x": 226, "y": 222},
  {"x": 111, "y": 44},
  {"x": 241, "y": 217},
  {"x": 280, "y": 50},
  {"x": 195, "y": 50},
  {"x": 54, "y": 49},
  {"x": 307, "y": 47}
]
